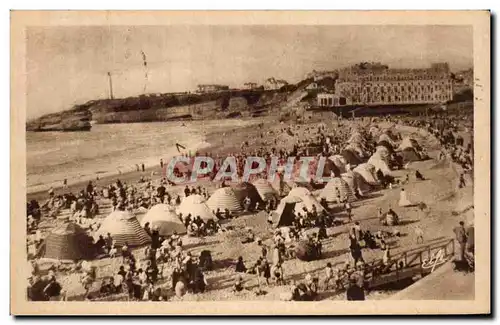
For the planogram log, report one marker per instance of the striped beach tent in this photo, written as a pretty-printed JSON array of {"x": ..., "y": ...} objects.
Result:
[
  {"x": 330, "y": 191},
  {"x": 163, "y": 216},
  {"x": 265, "y": 189},
  {"x": 195, "y": 205},
  {"x": 124, "y": 228},
  {"x": 224, "y": 198},
  {"x": 367, "y": 173},
  {"x": 68, "y": 242}
]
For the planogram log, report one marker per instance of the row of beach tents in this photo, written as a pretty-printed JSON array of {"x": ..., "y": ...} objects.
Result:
[{"x": 351, "y": 175}]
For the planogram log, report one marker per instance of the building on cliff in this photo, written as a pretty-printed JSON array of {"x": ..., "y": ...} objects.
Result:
[
  {"x": 250, "y": 85},
  {"x": 377, "y": 84},
  {"x": 274, "y": 84},
  {"x": 204, "y": 89}
]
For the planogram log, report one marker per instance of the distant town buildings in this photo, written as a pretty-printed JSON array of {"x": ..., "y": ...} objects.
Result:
[
  {"x": 274, "y": 84},
  {"x": 204, "y": 89},
  {"x": 377, "y": 84},
  {"x": 250, "y": 85}
]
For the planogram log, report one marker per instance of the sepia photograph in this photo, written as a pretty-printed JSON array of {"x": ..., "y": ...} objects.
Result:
[{"x": 257, "y": 163}]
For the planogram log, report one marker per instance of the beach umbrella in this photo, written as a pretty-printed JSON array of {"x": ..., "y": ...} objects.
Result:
[{"x": 164, "y": 218}]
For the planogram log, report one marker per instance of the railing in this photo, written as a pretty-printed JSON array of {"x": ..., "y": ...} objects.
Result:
[{"x": 419, "y": 261}]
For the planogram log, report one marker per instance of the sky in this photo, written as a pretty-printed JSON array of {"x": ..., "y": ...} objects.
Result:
[{"x": 69, "y": 65}]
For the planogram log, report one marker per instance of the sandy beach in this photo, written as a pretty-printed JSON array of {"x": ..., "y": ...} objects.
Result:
[{"x": 438, "y": 191}]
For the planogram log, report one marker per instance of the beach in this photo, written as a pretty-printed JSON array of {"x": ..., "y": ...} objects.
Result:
[{"x": 438, "y": 191}]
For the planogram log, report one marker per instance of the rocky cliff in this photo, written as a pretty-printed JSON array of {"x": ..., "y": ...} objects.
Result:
[{"x": 161, "y": 107}]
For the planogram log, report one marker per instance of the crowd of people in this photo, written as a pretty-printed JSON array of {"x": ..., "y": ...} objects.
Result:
[{"x": 166, "y": 259}]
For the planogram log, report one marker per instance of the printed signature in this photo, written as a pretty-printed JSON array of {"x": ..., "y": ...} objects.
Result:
[{"x": 436, "y": 259}]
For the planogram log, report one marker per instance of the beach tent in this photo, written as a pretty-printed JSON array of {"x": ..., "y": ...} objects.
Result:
[
  {"x": 367, "y": 173},
  {"x": 409, "y": 155},
  {"x": 299, "y": 192},
  {"x": 265, "y": 189},
  {"x": 284, "y": 215},
  {"x": 164, "y": 217},
  {"x": 124, "y": 228},
  {"x": 224, "y": 198},
  {"x": 244, "y": 189},
  {"x": 330, "y": 193},
  {"x": 308, "y": 202},
  {"x": 351, "y": 157},
  {"x": 361, "y": 184},
  {"x": 68, "y": 242},
  {"x": 356, "y": 148},
  {"x": 387, "y": 145},
  {"x": 374, "y": 130},
  {"x": 356, "y": 138},
  {"x": 387, "y": 138},
  {"x": 408, "y": 142},
  {"x": 196, "y": 206},
  {"x": 383, "y": 153},
  {"x": 339, "y": 162},
  {"x": 379, "y": 164}
]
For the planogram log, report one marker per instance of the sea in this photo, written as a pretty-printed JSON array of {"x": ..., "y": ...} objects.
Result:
[{"x": 111, "y": 149}]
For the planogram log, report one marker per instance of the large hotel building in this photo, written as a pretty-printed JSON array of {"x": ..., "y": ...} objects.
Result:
[{"x": 376, "y": 84}]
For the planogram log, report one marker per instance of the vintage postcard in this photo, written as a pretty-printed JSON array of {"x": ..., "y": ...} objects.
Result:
[{"x": 250, "y": 163}]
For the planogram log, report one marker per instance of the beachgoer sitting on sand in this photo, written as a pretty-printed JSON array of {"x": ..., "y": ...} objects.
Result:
[{"x": 419, "y": 176}]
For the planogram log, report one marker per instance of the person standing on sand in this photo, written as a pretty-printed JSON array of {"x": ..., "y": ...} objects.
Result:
[
  {"x": 161, "y": 163},
  {"x": 143, "y": 167},
  {"x": 461, "y": 237}
]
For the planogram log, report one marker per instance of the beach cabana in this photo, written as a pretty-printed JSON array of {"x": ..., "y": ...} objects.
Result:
[
  {"x": 339, "y": 162},
  {"x": 387, "y": 138},
  {"x": 367, "y": 173},
  {"x": 68, "y": 242},
  {"x": 195, "y": 205},
  {"x": 379, "y": 164},
  {"x": 124, "y": 228},
  {"x": 330, "y": 190},
  {"x": 308, "y": 202},
  {"x": 351, "y": 157},
  {"x": 244, "y": 189},
  {"x": 408, "y": 142},
  {"x": 163, "y": 216},
  {"x": 409, "y": 155},
  {"x": 387, "y": 145},
  {"x": 224, "y": 198},
  {"x": 265, "y": 189},
  {"x": 284, "y": 215}
]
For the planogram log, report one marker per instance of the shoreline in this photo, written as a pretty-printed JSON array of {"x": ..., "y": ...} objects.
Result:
[{"x": 211, "y": 141}]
